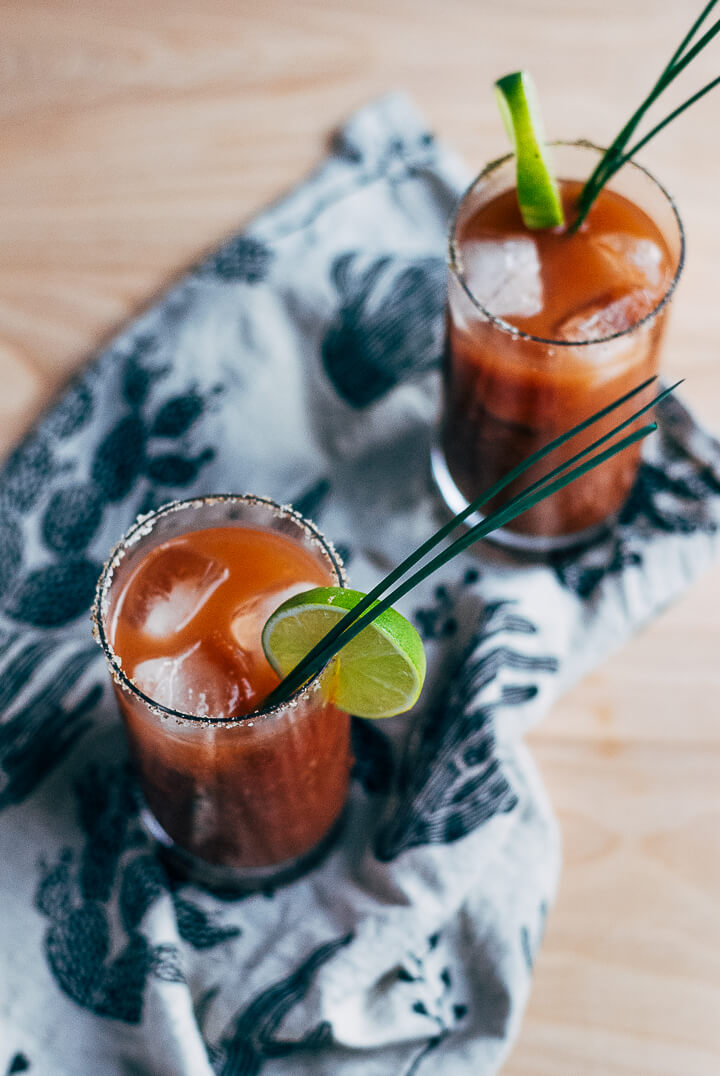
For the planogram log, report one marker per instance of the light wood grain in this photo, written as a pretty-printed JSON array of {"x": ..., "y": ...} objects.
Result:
[{"x": 134, "y": 135}]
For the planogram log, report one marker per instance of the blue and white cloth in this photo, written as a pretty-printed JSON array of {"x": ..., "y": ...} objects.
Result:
[{"x": 301, "y": 361}]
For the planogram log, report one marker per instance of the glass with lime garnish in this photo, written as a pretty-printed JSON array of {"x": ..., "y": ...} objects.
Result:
[
  {"x": 557, "y": 303},
  {"x": 241, "y": 793}
]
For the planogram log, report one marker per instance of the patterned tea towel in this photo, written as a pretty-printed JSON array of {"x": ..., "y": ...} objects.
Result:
[{"x": 300, "y": 360}]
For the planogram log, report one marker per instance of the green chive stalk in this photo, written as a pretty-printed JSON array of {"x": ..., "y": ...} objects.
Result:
[
  {"x": 381, "y": 597},
  {"x": 617, "y": 154}
]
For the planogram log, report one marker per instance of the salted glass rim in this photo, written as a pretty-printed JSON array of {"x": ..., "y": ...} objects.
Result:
[
  {"x": 142, "y": 528},
  {"x": 455, "y": 262}
]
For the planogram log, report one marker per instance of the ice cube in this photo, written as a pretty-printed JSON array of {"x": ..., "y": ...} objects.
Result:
[
  {"x": 504, "y": 275},
  {"x": 249, "y": 620},
  {"x": 637, "y": 263},
  {"x": 173, "y": 589},
  {"x": 602, "y": 318},
  {"x": 202, "y": 680}
]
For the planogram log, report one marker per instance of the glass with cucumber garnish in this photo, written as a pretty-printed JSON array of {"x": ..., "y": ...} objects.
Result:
[{"x": 559, "y": 292}]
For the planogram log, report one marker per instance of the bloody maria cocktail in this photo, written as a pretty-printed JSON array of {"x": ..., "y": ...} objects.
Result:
[
  {"x": 241, "y": 795},
  {"x": 546, "y": 327}
]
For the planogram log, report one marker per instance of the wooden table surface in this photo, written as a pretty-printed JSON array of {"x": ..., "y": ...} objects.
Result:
[{"x": 135, "y": 134}]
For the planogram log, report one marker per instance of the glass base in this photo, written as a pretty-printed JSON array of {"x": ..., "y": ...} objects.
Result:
[
  {"x": 234, "y": 881},
  {"x": 534, "y": 544}
]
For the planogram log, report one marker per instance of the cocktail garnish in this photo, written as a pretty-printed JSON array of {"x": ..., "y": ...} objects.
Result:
[
  {"x": 380, "y": 672},
  {"x": 382, "y": 597},
  {"x": 537, "y": 192},
  {"x": 618, "y": 153}
]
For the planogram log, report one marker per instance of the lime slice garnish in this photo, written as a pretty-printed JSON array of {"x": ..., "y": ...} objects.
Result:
[
  {"x": 537, "y": 191},
  {"x": 379, "y": 673}
]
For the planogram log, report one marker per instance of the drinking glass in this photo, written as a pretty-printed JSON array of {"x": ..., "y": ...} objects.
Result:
[
  {"x": 235, "y": 803},
  {"x": 507, "y": 393}
]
